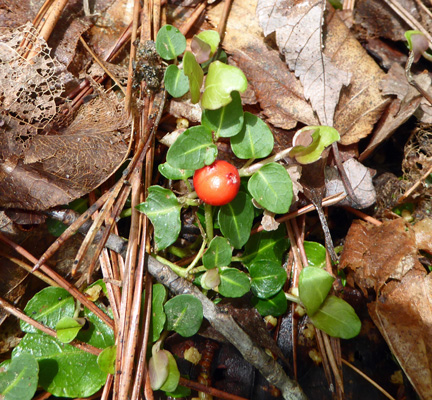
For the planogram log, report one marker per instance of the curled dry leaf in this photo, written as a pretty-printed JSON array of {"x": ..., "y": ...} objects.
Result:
[
  {"x": 360, "y": 179},
  {"x": 404, "y": 106},
  {"x": 268, "y": 221},
  {"x": 384, "y": 258},
  {"x": 299, "y": 36}
]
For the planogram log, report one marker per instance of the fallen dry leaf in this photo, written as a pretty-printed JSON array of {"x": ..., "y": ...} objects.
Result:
[
  {"x": 299, "y": 31},
  {"x": 384, "y": 258},
  {"x": 360, "y": 179}
]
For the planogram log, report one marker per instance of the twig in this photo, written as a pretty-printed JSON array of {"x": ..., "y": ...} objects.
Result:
[
  {"x": 415, "y": 186},
  {"x": 328, "y": 201},
  {"x": 209, "y": 390},
  {"x": 226, "y": 325},
  {"x": 29, "y": 269},
  {"x": 101, "y": 64},
  {"x": 51, "y": 332},
  {"x": 223, "y": 19},
  {"x": 61, "y": 282},
  {"x": 362, "y": 215},
  {"x": 373, "y": 383},
  {"x": 184, "y": 29}
]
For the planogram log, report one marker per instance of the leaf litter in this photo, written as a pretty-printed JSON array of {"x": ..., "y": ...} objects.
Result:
[{"x": 46, "y": 161}]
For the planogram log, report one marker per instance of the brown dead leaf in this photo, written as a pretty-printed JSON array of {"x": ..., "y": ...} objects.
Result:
[
  {"x": 57, "y": 168},
  {"x": 423, "y": 234},
  {"x": 299, "y": 31},
  {"x": 384, "y": 258},
  {"x": 360, "y": 179},
  {"x": 403, "y": 107}
]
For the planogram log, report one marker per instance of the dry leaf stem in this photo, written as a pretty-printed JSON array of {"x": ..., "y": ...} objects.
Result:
[{"x": 208, "y": 390}]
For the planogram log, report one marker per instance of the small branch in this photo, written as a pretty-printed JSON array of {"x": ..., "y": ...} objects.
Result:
[
  {"x": 226, "y": 325},
  {"x": 209, "y": 390},
  {"x": 373, "y": 383}
]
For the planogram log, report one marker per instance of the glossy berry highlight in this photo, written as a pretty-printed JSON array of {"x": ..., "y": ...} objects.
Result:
[{"x": 217, "y": 184}]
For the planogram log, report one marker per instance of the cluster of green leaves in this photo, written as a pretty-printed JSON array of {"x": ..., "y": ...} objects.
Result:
[{"x": 51, "y": 363}]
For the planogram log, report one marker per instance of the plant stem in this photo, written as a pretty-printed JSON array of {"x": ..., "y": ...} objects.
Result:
[
  {"x": 177, "y": 251},
  {"x": 208, "y": 213},
  {"x": 201, "y": 268},
  {"x": 178, "y": 270},
  {"x": 249, "y": 170},
  {"x": 196, "y": 259},
  {"x": 292, "y": 298}
]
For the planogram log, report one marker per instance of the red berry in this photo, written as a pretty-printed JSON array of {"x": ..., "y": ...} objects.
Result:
[{"x": 217, "y": 184}]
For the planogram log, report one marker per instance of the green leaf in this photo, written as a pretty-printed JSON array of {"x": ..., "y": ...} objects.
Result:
[
  {"x": 266, "y": 246},
  {"x": 67, "y": 329},
  {"x": 170, "y": 172},
  {"x": 218, "y": 254},
  {"x": 98, "y": 333},
  {"x": 268, "y": 277},
  {"x": 276, "y": 305},
  {"x": 181, "y": 391},
  {"x": 314, "y": 286},
  {"x": 158, "y": 315},
  {"x": 193, "y": 149},
  {"x": 48, "y": 307},
  {"x": 222, "y": 79},
  {"x": 176, "y": 82},
  {"x": 226, "y": 121},
  {"x": 64, "y": 370},
  {"x": 236, "y": 218},
  {"x": 106, "y": 360},
  {"x": 184, "y": 314},
  {"x": 210, "y": 279},
  {"x": 234, "y": 283},
  {"x": 412, "y": 37},
  {"x": 20, "y": 380},
  {"x": 316, "y": 254},
  {"x": 271, "y": 187},
  {"x": 195, "y": 74},
  {"x": 163, "y": 210},
  {"x": 173, "y": 379},
  {"x": 255, "y": 140},
  {"x": 310, "y": 141},
  {"x": 337, "y": 318},
  {"x": 212, "y": 38},
  {"x": 200, "y": 49},
  {"x": 158, "y": 368},
  {"x": 170, "y": 42}
]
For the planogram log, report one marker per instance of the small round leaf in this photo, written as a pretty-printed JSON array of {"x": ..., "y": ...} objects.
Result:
[
  {"x": 314, "y": 286},
  {"x": 255, "y": 140},
  {"x": 316, "y": 254},
  {"x": 176, "y": 82},
  {"x": 276, "y": 305},
  {"x": 184, "y": 314},
  {"x": 218, "y": 254},
  {"x": 271, "y": 187},
  {"x": 337, "y": 318},
  {"x": 170, "y": 42},
  {"x": 268, "y": 277},
  {"x": 106, "y": 360},
  {"x": 234, "y": 283},
  {"x": 193, "y": 149},
  {"x": 222, "y": 79}
]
